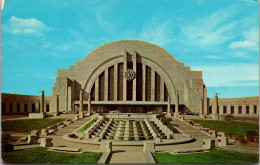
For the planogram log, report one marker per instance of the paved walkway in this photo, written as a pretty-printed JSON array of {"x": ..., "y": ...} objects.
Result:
[
  {"x": 27, "y": 146},
  {"x": 243, "y": 149},
  {"x": 123, "y": 157}
]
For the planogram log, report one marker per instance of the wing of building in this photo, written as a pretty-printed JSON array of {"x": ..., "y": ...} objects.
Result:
[{"x": 130, "y": 76}]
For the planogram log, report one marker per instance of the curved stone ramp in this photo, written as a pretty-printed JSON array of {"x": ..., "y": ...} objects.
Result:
[
  {"x": 129, "y": 143},
  {"x": 58, "y": 140}
]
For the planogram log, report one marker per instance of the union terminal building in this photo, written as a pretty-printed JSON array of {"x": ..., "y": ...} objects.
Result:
[{"x": 130, "y": 76}]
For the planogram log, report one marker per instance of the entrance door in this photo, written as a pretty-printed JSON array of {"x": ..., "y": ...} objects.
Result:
[
  {"x": 139, "y": 109},
  {"x": 129, "y": 109},
  {"x": 120, "y": 109}
]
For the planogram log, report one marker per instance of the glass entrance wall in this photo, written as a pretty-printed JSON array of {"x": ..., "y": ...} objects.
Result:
[
  {"x": 128, "y": 109},
  {"x": 132, "y": 108}
]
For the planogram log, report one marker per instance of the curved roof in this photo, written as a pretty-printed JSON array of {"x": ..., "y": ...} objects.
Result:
[{"x": 131, "y": 45}]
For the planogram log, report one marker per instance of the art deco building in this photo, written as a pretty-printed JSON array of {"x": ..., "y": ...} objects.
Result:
[{"x": 130, "y": 76}]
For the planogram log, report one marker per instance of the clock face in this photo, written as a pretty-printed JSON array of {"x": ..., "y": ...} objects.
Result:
[{"x": 129, "y": 74}]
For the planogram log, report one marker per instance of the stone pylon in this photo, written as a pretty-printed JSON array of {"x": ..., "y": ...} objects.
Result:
[
  {"x": 176, "y": 113},
  {"x": 89, "y": 106},
  {"x": 42, "y": 102},
  {"x": 169, "y": 112},
  {"x": 215, "y": 107},
  {"x": 56, "y": 113},
  {"x": 81, "y": 112}
]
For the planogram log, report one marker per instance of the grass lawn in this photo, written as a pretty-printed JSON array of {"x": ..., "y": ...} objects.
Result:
[
  {"x": 26, "y": 125},
  {"x": 229, "y": 127},
  {"x": 213, "y": 157},
  {"x": 43, "y": 156},
  {"x": 82, "y": 129}
]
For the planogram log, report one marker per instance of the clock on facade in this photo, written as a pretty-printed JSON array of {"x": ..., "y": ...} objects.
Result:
[{"x": 129, "y": 74}]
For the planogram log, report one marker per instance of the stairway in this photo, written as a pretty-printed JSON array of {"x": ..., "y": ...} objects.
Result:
[
  {"x": 157, "y": 130},
  {"x": 188, "y": 129},
  {"x": 128, "y": 130},
  {"x": 71, "y": 127}
]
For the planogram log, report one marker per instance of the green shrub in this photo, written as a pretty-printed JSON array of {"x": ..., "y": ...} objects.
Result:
[
  {"x": 7, "y": 138},
  {"x": 251, "y": 135},
  {"x": 172, "y": 128},
  {"x": 166, "y": 120},
  {"x": 242, "y": 139},
  {"x": 231, "y": 135},
  {"x": 160, "y": 116},
  {"x": 6, "y": 147}
]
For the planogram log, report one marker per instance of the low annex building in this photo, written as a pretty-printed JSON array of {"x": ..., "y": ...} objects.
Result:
[{"x": 130, "y": 76}]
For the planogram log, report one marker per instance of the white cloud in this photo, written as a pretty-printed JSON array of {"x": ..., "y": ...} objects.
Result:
[
  {"x": 230, "y": 74},
  {"x": 251, "y": 40},
  {"x": 240, "y": 54},
  {"x": 69, "y": 45},
  {"x": 252, "y": 34},
  {"x": 242, "y": 44},
  {"x": 253, "y": 1},
  {"x": 63, "y": 47},
  {"x": 157, "y": 32},
  {"x": 103, "y": 17},
  {"x": 46, "y": 45},
  {"x": 214, "y": 57},
  {"x": 244, "y": 55},
  {"x": 25, "y": 26},
  {"x": 211, "y": 29}
]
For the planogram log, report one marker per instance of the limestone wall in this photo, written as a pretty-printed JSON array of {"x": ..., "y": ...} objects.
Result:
[
  {"x": 17, "y": 104},
  {"x": 238, "y": 107}
]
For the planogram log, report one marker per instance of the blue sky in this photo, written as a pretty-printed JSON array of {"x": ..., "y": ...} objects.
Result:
[{"x": 219, "y": 37}]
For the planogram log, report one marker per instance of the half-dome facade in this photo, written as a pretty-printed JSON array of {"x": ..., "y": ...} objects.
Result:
[{"x": 130, "y": 76}]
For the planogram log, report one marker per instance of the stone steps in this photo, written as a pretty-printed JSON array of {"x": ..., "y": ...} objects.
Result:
[
  {"x": 188, "y": 129},
  {"x": 128, "y": 130},
  {"x": 71, "y": 127},
  {"x": 66, "y": 130}
]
